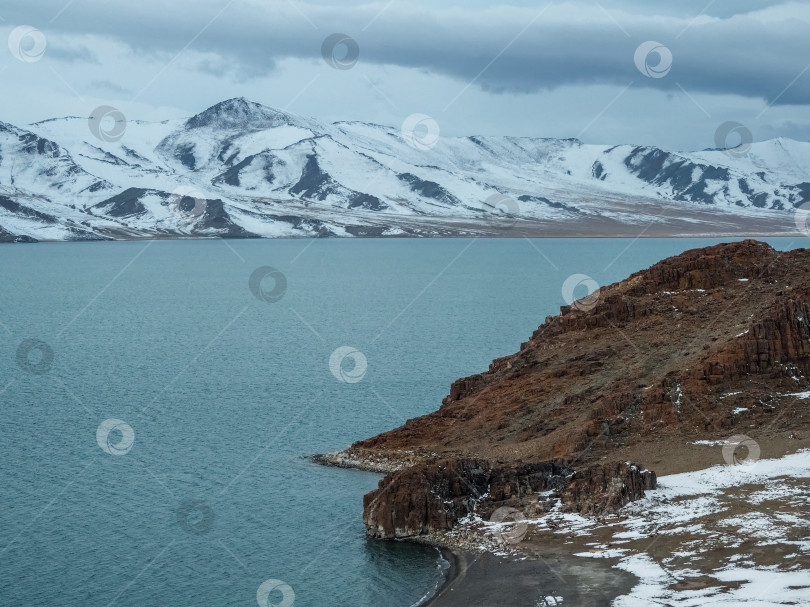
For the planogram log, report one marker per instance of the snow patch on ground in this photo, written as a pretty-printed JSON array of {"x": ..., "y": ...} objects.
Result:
[
  {"x": 732, "y": 535},
  {"x": 741, "y": 580},
  {"x": 758, "y": 587}
]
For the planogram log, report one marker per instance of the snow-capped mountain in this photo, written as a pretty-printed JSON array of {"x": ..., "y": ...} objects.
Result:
[{"x": 240, "y": 169}]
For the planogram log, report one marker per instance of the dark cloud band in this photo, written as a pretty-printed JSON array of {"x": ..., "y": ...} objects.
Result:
[{"x": 753, "y": 54}]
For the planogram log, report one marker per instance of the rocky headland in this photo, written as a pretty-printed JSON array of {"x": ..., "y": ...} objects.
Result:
[{"x": 707, "y": 345}]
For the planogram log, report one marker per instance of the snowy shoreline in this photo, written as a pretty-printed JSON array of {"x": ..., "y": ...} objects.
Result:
[{"x": 724, "y": 520}]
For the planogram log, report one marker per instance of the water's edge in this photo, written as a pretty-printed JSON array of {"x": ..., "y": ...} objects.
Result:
[
  {"x": 449, "y": 564},
  {"x": 448, "y": 560}
]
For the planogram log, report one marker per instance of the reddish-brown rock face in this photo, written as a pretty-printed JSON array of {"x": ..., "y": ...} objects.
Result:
[
  {"x": 433, "y": 496},
  {"x": 605, "y": 488},
  {"x": 707, "y": 344}
]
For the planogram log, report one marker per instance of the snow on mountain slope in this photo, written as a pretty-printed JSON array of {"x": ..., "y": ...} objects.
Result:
[
  {"x": 789, "y": 158},
  {"x": 36, "y": 165},
  {"x": 240, "y": 169},
  {"x": 231, "y": 131}
]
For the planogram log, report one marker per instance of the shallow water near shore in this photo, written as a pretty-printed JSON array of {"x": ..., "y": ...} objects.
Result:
[{"x": 226, "y": 395}]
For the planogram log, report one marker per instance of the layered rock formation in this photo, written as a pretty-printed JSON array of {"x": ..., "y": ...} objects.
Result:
[
  {"x": 711, "y": 343},
  {"x": 433, "y": 496}
]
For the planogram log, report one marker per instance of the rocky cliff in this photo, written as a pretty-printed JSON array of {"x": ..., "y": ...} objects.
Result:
[
  {"x": 433, "y": 496},
  {"x": 702, "y": 346}
]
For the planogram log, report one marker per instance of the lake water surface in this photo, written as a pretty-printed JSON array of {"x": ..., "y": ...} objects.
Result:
[{"x": 199, "y": 491}]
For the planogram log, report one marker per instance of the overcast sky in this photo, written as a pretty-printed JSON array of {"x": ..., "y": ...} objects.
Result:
[{"x": 547, "y": 69}]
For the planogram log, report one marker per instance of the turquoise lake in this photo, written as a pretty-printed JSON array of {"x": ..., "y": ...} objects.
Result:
[{"x": 200, "y": 490}]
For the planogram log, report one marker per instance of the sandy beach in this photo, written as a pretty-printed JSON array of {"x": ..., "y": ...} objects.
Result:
[{"x": 551, "y": 579}]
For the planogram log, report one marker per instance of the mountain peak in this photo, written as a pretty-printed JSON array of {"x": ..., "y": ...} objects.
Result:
[{"x": 243, "y": 114}]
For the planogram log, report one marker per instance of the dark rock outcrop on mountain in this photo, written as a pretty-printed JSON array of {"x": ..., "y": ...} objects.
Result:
[
  {"x": 217, "y": 218},
  {"x": 317, "y": 184},
  {"x": 126, "y": 204},
  {"x": 709, "y": 344}
]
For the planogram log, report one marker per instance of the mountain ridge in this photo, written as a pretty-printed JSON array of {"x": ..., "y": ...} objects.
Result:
[{"x": 264, "y": 163}]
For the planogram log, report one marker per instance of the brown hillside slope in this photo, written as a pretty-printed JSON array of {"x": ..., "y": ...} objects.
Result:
[{"x": 702, "y": 346}]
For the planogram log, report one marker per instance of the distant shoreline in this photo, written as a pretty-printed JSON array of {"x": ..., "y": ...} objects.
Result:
[{"x": 539, "y": 236}]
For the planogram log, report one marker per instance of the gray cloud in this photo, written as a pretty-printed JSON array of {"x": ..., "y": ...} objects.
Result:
[
  {"x": 72, "y": 53},
  {"x": 560, "y": 78},
  {"x": 110, "y": 88},
  {"x": 731, "y": 51},
  {"x": 788, "y": 128}
]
